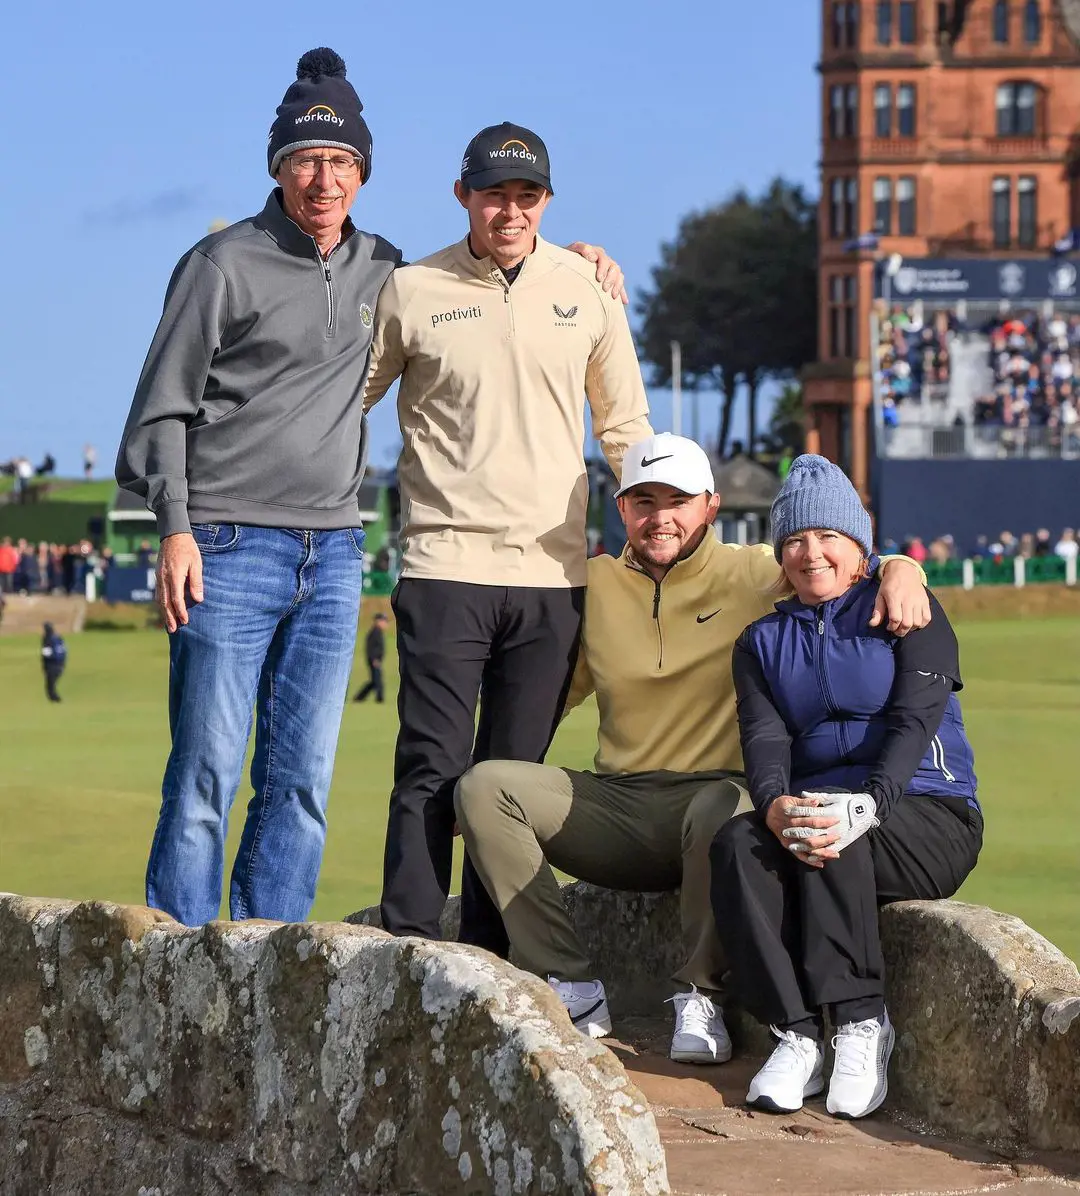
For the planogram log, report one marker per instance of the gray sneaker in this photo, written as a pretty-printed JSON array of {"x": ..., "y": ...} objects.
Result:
[{"x": 700, "y": 1034}]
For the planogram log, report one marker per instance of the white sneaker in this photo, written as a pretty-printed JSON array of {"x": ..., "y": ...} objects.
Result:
[
  {"x": 700, "y": 1034},
  {"x": 859, "y": 1081},
  {"x": 791, "y": 1073},
  {"x": 586, "y": 1003}
]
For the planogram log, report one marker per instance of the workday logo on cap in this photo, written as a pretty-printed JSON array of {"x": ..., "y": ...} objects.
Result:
[
  {"x": 514, "y": 150},
  {"x": 321, "y": 113}
]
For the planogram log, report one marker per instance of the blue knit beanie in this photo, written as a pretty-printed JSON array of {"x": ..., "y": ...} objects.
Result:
[{"x": 817, "y": 493}]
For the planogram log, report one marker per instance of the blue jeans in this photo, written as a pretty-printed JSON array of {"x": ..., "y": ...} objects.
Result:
[{"x": 275, "y": 634}]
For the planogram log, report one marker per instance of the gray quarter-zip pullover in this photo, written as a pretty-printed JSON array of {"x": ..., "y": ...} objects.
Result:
[{"x": 248, "y": 409}]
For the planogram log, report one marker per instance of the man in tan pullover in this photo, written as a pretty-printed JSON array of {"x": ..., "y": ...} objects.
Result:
[
  {"x": 660, "y": 624},
  {"x": 495, "y": 340}
]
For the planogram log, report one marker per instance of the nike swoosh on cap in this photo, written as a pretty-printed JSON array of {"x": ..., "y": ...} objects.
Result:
[
  {"x": 706, "y": 618},
  {"x": 647, "y": 461}
]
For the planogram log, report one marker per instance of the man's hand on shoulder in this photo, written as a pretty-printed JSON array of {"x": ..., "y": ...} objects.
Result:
[
  {"x": 902, "y": 602},
  {"x": 608, "y": 272},
  {"x": 179, "y": 578}
]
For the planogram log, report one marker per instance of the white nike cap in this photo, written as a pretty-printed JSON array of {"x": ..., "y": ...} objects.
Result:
[{"x": 669, "y": 460}]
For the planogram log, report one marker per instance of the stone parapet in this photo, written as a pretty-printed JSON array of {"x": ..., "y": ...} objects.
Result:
[
  {"x": 987, "y": 1011},
  {"x": 141, "y": 1056}
]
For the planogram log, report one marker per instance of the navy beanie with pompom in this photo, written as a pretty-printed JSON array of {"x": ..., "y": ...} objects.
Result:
[{"x": 320, "y": 108}]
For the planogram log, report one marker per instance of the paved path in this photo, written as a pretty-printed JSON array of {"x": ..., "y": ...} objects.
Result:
[{"x": 717, "y": 1147}]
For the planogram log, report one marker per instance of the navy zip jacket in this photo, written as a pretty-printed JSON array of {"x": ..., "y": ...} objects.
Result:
[{"x": 825, "y": 700}]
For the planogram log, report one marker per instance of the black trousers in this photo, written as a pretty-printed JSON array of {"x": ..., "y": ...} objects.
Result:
[
  {"x": 799, "y": 938},
  {"x": 374, "y": 685},
  {"x": 512, "y": 649},
  {"x": 52, "y": 675}
]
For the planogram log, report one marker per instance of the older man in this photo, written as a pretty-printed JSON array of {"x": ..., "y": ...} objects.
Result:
[
  {"x": 660, "y": 623},
  {"x": 496, "y": 339},
  {"x": 246, "y": 438}
]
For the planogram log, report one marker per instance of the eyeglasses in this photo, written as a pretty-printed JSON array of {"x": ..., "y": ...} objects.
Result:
[{"x": 343, "y": 166}]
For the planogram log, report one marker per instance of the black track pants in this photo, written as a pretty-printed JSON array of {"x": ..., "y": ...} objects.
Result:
[
  {"x": 799, "y": 938},
  {"x": 510, "y": 648}
]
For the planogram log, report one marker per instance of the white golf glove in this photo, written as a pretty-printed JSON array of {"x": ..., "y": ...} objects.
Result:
[{"x": 857, "y": 813}]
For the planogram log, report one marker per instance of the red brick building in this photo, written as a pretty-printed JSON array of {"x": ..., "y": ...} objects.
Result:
[{"x": 951, "y": 129}]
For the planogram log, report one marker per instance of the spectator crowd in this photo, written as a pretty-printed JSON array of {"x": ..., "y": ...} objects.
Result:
[
  {"x": 27, "y": 568},
  {"x": 1034, "y": 403},
  {"x": 913, "y": 356},
  {"x": 1005, "y": 547}
]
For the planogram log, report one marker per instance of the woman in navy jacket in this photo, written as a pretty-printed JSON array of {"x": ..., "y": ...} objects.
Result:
[{"x": 863, "y": 785}]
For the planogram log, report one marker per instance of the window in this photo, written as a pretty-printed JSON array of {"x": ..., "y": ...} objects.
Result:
[
  {"x": 851, "y": 110},
  {"x": 836, "y": 208},
  {"x": 884, "y": 22},
  {"x": 850, "y": 343},
  {"x": 905, "y": 206},
  {"x": 836, "y": 111},
  {"x": 905, "y": 109},
  {"x": 1016, "y": 109},
  {"x": 853, "y": 24},
  {"x": 1027, "y": 199},
  {"x": 836, "y": 315},
  {"x": 906, "y": 15},
  {"x": 842, "y": 341},
  {"x": 845, "y": 25},
  {"x": 843, "y": 110},
  {"x": 883, "y": 207},
  {"x": 1032, "y": 22},
  {"x": 843, "y": 207},
  {"x": 1001, "y": 22},
  {"x": 1001, "y": 212},
  {"x": 882, "y": 110},
  {"x": 851, "y": 208}
]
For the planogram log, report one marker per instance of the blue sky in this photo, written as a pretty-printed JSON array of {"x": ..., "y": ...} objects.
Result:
[{"x": 141, "y": 124}]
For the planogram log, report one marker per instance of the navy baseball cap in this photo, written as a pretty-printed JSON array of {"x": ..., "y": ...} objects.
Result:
[{"x": 503, "y": 152}]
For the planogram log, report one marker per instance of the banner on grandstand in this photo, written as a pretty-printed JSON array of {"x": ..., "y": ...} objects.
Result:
[{"x": 947, "y": 280}]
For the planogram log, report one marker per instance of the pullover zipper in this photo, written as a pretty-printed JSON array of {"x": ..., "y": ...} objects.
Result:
[
  {"x": 659, "y": 629},
  {"x": 826, "y": 691},
  {"x": 329, "y": 298},
  {"x": 655, "y": 614},
  {"x": 324, "y": 263}
]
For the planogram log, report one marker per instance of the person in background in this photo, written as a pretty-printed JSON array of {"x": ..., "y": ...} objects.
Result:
[
  {"x": 375, "y": 653},
  {"x": 9, "y": 563},
  {"x": 863, "y": 786},
  {"x": 89, "y": 461},
  {"x": 1066, "y": 547},
  {"x": 53, "y": 660},
  {"x": 144, "y": 558}
]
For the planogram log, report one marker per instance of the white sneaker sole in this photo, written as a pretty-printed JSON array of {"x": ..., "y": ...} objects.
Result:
[
  {"x": 880, "y": 1093},
  {"x": 768, "y": 1105},
  {"x": 721, "y": 1056},
  {"x": 591, "y": 1029}
]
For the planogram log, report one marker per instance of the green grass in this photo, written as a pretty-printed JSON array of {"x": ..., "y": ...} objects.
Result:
[{"x": 80, "y": 784}]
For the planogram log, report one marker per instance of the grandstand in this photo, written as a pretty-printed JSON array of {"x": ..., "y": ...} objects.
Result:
[
  {"x": 976, "y": 399},
  {"x": 981, "y": 381}
]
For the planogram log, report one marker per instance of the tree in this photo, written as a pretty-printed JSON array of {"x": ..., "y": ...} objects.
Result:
[
  {"x": 737, "y": 288},
  {"x": 787, "y": 424}
]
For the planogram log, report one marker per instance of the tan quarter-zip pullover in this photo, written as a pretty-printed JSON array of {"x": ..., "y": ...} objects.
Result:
[
  {"x": 492, "y": 473},
  {"x": 658, "y": 655}
]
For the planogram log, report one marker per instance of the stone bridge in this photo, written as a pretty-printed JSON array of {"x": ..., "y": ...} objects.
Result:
[{"x": 139, "y": 1057}]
